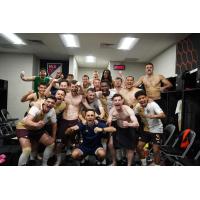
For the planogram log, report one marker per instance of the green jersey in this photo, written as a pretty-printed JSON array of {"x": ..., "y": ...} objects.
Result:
[{"x": 39, "y": 80}]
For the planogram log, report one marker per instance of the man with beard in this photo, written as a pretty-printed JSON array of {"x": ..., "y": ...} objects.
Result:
[
  {"x": 31, "y": 130},
  {"x": 70, "y": 118},
  {"x": 152, "y": 84},
  {"x": 126, "y": 124}
]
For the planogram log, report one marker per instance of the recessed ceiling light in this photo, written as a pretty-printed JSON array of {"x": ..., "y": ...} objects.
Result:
[
  {"x": 90, "y": 59},
  {"x": 70, "y": 40},
  {"x": 13, "y": 38},
  {"x": 127, "y": 43}
]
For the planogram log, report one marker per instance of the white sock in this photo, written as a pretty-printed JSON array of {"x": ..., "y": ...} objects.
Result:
[
  {"x": 144, "y": 162},
  {"x": 33, "y": 155},
  {"x": 23, "y": 159},
  {"x": 59, "y": 159},
  {"x": 47, "y": 154}
]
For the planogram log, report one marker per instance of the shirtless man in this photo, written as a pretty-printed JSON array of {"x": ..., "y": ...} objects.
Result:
[
  {"x": 152, "y": 83},
  {"x": 118, "y": 84},
  {"x": 31, "y": 130},
  {"x": 128, "y": 93},
  {"x": 126, "y": 124},
  {"x": 92, "y": 132},
  {"x": 70, "y": 118}
]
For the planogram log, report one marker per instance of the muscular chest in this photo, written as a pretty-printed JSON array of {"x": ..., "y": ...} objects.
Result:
[
  {"x": 75, "y": 101},
  {"x": 153, "y": 81},
  {"x": 121, "y": 115}
]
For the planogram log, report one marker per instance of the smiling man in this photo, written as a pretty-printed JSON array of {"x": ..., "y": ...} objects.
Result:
[
  {"x": 151, "y": 115},
  {"x": 92, "y": 133},
  {"x": 126, "y": 124},
  {"x": 30, "y": 131},
  {"x": 129, "y": 91}
]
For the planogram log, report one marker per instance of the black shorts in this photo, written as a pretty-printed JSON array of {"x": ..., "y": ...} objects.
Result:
[
  {"x": 125, "y": 138},
  {"x": 147, "y": 137},
  {"x": 63, "y": 125}
]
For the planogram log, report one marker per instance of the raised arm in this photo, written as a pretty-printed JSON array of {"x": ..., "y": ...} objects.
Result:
[
  {"x": 26, "y": 78},
  {"x": 139, "y": 82},
  {"x": 28, "y": 97},
  {"x": 48, "y": 90}
]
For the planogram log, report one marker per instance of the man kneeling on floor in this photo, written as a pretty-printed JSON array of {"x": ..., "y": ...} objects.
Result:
[
  {"x": 31, "y": 130},
  {"x": 150, "y": 113},
  {"x": 92, "y": 133}
]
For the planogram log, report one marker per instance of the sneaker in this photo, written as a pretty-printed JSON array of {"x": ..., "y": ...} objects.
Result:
[
  {"x": 153, "y": 164},
  {"x": 2, "y": 160},
  {"x": 2, "y": 156}
]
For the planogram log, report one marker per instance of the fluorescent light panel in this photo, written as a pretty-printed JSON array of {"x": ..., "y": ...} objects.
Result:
[
  {"x": 127, "y": 43},
  {"x": 70, "y": 40},
  {"x": 90, "y": 59},
  {"x": 13, "y": 38}
]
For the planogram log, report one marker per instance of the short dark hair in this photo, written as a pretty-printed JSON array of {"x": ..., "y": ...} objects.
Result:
[
  {"x": 107, "y": 82},
  {"x": 149, "y": 64},
  {"x": 85, "y": 75},
  {"x": 70, "y": 75},
  {"x": 118, "y": 78},
  {"x": 140, "y": 93},
  {"x": 61, "y": 90},
  {"x": 66, "y": 81},
  {"x": 51, "y": 97},
  {"x": 74, "y": 82},
  {"x": 43, "y": 69},
  {"x": 117, "y": 95},
  {"x": 130, "y": 77},
  {"x": 90, "y": 110},
  {"x": 42, "y": 83},
  {"x": 90, "y": 89}
]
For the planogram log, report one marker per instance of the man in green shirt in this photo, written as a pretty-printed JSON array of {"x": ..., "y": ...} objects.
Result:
[{"x": 42, "y": 78}]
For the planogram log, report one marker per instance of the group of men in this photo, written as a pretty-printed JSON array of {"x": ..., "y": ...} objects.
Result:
[{"x": 92, "y": 118}]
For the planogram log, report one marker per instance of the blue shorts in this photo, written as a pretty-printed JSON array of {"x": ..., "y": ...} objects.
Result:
[{"x": 88, "y": 150}]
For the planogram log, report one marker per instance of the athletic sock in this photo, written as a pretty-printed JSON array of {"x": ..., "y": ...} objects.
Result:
[
  {"x": 47, "y": 154},
  {"x": 33, "y": 155},
  {"x": 58, "y": 159},
  {"x": 23, "y": 159},
  {"x": 144, "y": 162}
]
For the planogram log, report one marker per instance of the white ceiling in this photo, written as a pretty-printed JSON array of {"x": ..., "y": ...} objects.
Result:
[{"x": 101, "y": 45}]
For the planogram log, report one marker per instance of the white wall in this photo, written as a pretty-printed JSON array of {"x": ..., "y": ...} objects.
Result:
[
  {"x": 89, "y": 71},
  {"x": 73, "y": 67},
  {"x": 165, "y": 63},
  {"x": 10, "y": 67},
  {"x": 134, "y": 69}
]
